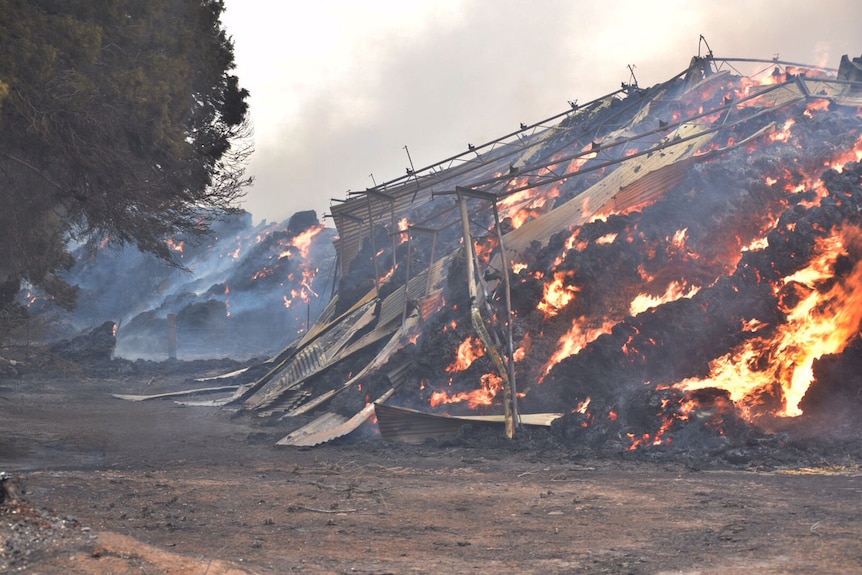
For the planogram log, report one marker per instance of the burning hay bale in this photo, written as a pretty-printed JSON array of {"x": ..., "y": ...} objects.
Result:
[{"x": 691, "y": 315}]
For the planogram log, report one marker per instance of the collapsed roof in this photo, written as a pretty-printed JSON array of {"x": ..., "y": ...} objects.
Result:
[{"x": 408, "y": 299}]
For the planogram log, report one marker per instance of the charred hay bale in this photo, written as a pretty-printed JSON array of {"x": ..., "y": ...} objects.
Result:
[
  {"x": 836, "y": 392},
  {"x": 93, "y": 347}
]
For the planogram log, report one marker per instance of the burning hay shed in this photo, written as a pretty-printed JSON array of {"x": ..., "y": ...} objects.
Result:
[{"x": 658, "y": 268}]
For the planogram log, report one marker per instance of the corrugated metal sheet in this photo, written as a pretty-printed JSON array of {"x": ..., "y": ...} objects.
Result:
[
  {"x": 332, "y": 428},
  {"x": 385, "y": 205},
  {"x": 316, "y": 356},
  {"x": 581, "y": 208},
  {"x": 198, "y": 391},
  {"x": 327, "y": 421},
  {"x": 393, "y": 345},
  {"x": 284, "y": 402},
  {"x": 404, "y": 425},
  {"x": 392, "y": 307}
]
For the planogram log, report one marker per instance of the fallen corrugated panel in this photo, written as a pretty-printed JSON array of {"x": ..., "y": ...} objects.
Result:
[
  {"x": 313, "y": 358},
  {"x": 223, "y": 376},
  {"x": 181, "y": 393},
  {"x": 324, "y": 324},
  {"x": 393, "y": 345},
  {"x": 400, "y": 424},
  {"x": 324, "y": 422},
  {"x": 286, "y": 401},
  {"x": 324, "y": 433},
  {"x": 393, "y": 306}
]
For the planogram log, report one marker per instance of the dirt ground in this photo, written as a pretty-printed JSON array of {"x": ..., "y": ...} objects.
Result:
[{"x": 102, "y": 485}]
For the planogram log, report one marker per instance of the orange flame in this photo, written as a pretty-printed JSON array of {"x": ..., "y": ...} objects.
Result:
[
  {"x": 572, "y": 243},
  {"x": 679, "y": 238},
  {"x": 782, "y": 135},
  {"x": 468, "y": 351},
  {"x": 822, "y": 322},
  {"x": 606, "y": 239},
  {"x": 492, "y": 385},
  {"x": 575, "y": 340},
  {"x": 403, "y": 225},
  {"x": 818, "y": 105},
  {"x": 557, "y": 294},
  {"x": 301, "y": 242},
  {"x": 485, "y": 249},
  {"x": 521, "y": 353},
  {"x": 582, "y": 406},
  {"x": 176, "y": 246},
  {"x": 674, "y": 291},
  {"x": 853, "y": 155},
  {"x": 525, "y": 205}
]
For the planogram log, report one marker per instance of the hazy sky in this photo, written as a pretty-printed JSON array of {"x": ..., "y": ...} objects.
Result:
[{"x": 339, "y": 87}]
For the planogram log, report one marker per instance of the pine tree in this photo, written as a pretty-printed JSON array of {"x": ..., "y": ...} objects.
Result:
[{"x": 119, "y": 120}]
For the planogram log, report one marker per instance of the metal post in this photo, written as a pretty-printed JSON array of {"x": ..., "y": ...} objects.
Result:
[
  {"x": 172, "y": 336},
  {"x": 373, "y": 247},
  {"x": 406, "y": 286},
  {"x": 510, "y": 364},
  {"x": 478, "y": 322},
  {"x": 428, "y": 285}
]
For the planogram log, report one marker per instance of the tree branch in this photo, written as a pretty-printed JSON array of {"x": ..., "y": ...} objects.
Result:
[{"x": 33, "y": 168}]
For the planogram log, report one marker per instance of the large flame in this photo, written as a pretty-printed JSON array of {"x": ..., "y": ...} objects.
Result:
[
  {"x": 768, "y": 373},
  {"x": 825, "y": 317}
]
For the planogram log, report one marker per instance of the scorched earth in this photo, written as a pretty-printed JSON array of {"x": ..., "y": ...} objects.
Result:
[{"x": 100, "y": 485}]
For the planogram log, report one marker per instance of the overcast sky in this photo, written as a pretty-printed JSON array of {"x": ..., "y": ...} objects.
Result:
[{"x": 339, "y": 87}]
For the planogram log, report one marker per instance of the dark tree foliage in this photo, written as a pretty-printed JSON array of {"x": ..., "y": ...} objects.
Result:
[{"x": 119, "y": 120}]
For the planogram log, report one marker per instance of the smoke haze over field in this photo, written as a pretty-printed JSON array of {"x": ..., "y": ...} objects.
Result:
[{"x": 338, "y": 89}]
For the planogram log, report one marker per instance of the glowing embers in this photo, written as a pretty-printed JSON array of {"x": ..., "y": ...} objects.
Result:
[
  {"x": 304, "y": 292},
  {"x": 572, "y": 243},
  {"x": 710, "y": 410},
  {"x": 526, "y": 205},
  {"x": 519, "y": 205},
  {"x": 851, "y": 155},
  {"x": 403, "y": 228},
  {"x": 823, "y": 311},
  {"x": 302, "y": 277},
  {"x": 176, "y": 246}
]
